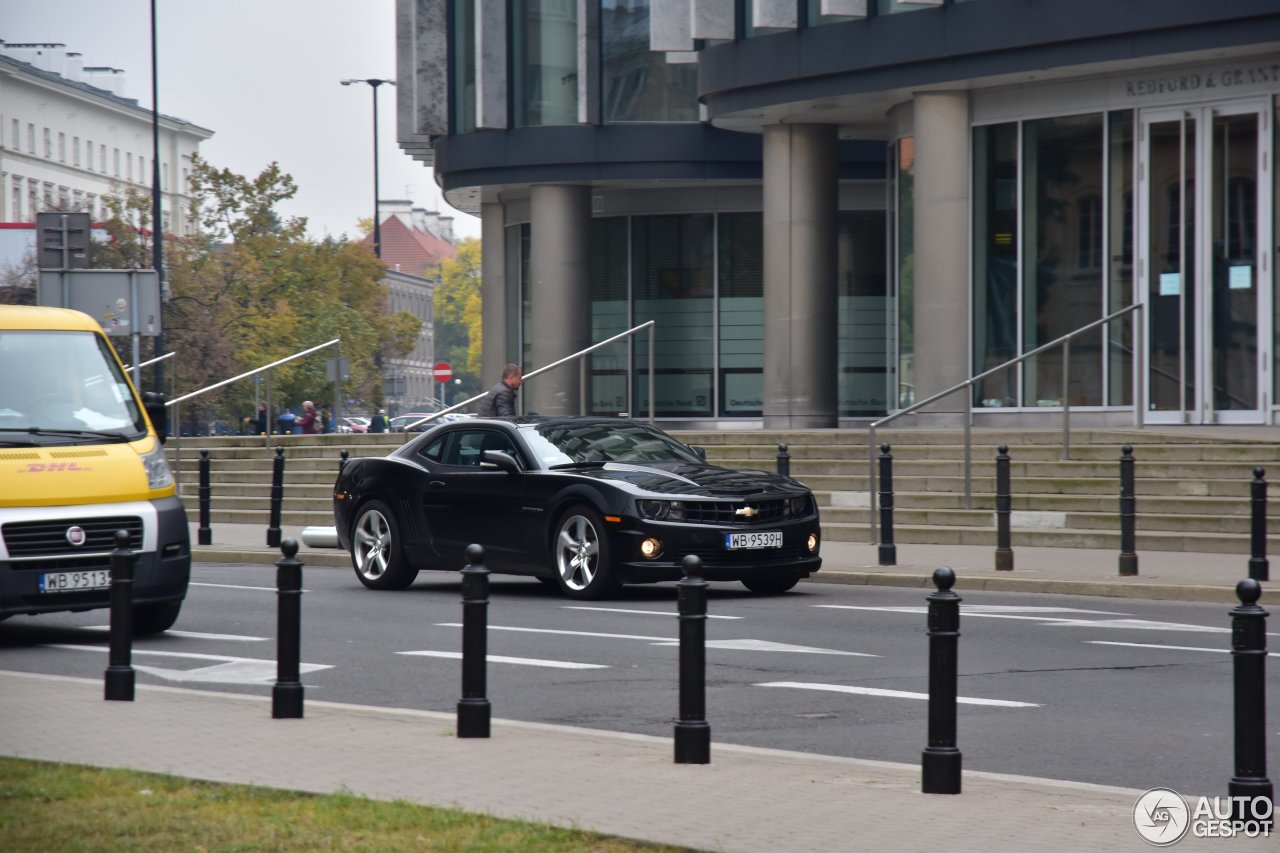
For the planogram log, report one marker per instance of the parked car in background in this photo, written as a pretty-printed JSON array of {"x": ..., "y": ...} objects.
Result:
[
  {"x": 402, "y": 423},
  {"x": 354, "y": 424},
  {"x": 585, "y": 503}
]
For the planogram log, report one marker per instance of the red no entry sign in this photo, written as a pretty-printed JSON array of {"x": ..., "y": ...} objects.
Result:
[{"x": 442, "y": 372}]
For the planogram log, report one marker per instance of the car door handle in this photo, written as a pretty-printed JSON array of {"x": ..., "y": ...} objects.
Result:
[{"x": 435, "y": 484}]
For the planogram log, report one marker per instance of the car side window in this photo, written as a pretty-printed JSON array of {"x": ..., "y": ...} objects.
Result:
[
  {"x": 435, "y": 450},
  {"x": 467, "y": 445}
]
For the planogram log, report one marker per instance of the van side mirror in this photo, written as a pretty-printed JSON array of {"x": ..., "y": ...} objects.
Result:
[{"x": 158, "y": 412}]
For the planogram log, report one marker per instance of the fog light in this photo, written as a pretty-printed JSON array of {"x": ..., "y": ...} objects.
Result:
[
  {"x": 651, "y": 548},
  {"x": 813, "y": 542}
]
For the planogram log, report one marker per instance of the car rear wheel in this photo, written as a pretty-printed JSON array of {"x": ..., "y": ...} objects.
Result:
[
  {"x": 376, "y": 551},
  {"x": 580, "y": 554},
  {"x": 773, "y": 585}
]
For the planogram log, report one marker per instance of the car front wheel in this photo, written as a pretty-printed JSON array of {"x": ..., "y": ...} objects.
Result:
[
  {"x": 376, "y": 551},
  {"x": 580, "y": 554}
]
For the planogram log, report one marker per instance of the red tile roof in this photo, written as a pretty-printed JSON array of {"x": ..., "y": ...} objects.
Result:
[{"x": 409, "y": 250}]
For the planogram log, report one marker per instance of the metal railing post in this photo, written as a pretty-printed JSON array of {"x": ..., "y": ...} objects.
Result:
[
  {"x": 968, "y": 447},
  {"x": 651, "y": 403},
  {"x": 1066, "y": 399}
]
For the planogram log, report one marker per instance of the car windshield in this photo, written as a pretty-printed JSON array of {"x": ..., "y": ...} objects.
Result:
[
  {"x": 567, "y": 444},
  {"x": 63, "y": 382}
]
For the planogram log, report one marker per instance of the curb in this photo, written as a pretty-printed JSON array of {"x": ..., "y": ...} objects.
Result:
[{"x": 966, "y": 581}]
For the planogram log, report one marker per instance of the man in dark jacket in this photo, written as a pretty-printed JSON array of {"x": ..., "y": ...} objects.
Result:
[
  {"x": 378, "y": 423},
  {"x": 501, "y": 402}
]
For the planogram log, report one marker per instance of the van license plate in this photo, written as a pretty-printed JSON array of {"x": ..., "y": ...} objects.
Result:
[
  {"x": 759, "y": 539},
  {"x": 75, "y": 581}
]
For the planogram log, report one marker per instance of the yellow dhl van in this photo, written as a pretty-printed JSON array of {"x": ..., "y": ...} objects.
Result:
[{"x": 79, "y": 460}]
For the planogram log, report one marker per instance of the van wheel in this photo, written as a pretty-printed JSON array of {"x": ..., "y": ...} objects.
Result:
[
  {"x": 155, "y": 618},
  {"x": 376, "y": 550}
]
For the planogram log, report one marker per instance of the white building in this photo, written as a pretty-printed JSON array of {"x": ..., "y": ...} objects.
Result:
[{"x": 69, "y": 137}]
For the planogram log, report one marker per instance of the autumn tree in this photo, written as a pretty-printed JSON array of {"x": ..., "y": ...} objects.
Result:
[
  {"x": 251, "y": 289},
  {"x": 457, "y": 307}
]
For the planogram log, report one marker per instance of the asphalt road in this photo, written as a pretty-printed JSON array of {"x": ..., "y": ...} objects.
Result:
[{"x": 1129, "y": 693}]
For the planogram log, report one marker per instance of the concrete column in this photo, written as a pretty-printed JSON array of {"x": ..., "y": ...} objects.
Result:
[
  {"x": 560, "y": 294},
  {"x": 493, "y": 294},
  {"x": 800, "y": 296},
  {"x": 942, "y": 209}
]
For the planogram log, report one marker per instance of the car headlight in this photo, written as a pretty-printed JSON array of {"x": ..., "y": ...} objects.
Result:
[
  {"x": 661, "y": 510},
  {"x": 157, "y": 467}
]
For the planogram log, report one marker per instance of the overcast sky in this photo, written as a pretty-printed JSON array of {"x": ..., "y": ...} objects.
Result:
[{"x": 263, "y": 75}]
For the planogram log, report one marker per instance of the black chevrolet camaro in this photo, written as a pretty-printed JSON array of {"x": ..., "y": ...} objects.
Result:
[{"x": 585, "y": 503}]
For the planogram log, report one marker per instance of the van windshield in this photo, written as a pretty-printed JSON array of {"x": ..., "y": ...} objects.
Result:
[{"x": 64, "y": 382}]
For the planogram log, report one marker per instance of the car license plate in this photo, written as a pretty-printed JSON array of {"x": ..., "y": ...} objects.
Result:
[
  {"x": 74, "y": 581},
  {"x": 759, "y": 539}
]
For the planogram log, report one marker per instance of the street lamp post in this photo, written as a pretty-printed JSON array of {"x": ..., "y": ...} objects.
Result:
[{"x": 374, "y": 83}]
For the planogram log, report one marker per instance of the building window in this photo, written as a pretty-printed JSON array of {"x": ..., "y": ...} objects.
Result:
[
  {"x": 610, "y": 314},
  {"x": 75, "y": 151},
  {"x": 62, "y": 148},
  {"x": 672, "y": 277},
  {"x": 128, "y": 163},
  {"x": 864, "y": 313},
  {"x": 88, "y": 155},
  {"x": 462, "y": 71},
  {"x": 903, "y": 168},
  {"x": 102, "y": 159},
  {"x": 17, "y": 200},
  {"x": 48, "y": 144},
  {"x": 31, "y": 138},
  {"x": 544, "y": 62},
  {"x": 995, "y": 261},
  {"x": 115, "y": 156},
  {"x": 740, "y": 308},
  {"x": 638, "y": 84}
]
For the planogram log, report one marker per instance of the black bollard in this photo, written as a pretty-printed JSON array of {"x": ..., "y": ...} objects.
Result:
[
  {"x": 1128, "y": 557},
  {"x": 888, "y": 550},
  {"x": 1004, "y": 504},
  {"x": 204, "y": 535},
  {"x": 286, "y": 696},
  {"x": 277, "y": 497},
  {"x": 941, "y": 762},
  {"x": 342, "y": 461},
  {"x": 692, "y": 731},
  {"x": 784, "y": 461},
  {"x": 119, "y": 677},
  {"x": 1249, "y": 655},
  {"x": 1259, "y": 566},
  {"x": 473, "y": 707}
]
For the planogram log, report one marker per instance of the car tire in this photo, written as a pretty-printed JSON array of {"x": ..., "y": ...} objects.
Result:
[
  {"x": 580, "y": 555},
  {"x": 151, "y": 619},
  {"x": 772, "y": 585},
  {"x": 377, "y": 553}
]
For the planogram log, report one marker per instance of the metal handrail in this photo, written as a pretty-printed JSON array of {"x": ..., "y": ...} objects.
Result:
[
  {"x": 1065, "y": 343},
  {"x": 177, "y": 436},
  {"x": 582, "y": 379}
]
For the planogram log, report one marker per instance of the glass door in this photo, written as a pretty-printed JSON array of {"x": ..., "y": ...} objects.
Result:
[{"x": 1204, "y": 271}]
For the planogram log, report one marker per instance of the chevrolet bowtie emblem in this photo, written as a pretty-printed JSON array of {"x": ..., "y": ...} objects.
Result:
[{"x": 747, "y": 512}]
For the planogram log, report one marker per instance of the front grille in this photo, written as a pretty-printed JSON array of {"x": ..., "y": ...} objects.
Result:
[
  {"x": 725, "y": 513},
  {"x": 49, "y": 538}
]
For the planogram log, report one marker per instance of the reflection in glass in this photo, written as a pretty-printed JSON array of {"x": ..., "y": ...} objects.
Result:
[
  {"x": 1171, "y": 254},
  {"x": 544, "y": 62},
  {"x": 1062, "y": 286},
  {"x": 638, "y": 84},
  {"x": 672, "y": 283},
  {"x": 995, "y": 262},
  {"x": 864, "y": 307},
  {"x": 1120, "y": 211},
  {"x": 904, "y": 262},
  {"x": 609, "y": 314},
  {"x": 462, "y": 58},
  {"x": 1233, "y": 212},
  {"x": 741, "y": 305}
]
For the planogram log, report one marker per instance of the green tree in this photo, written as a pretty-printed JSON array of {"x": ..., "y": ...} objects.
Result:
[
  {"x": 457, "y": 314},
  {"x": 250, "y": 289}
]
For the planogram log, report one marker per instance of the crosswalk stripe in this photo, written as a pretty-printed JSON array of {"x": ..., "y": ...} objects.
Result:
[
  {"x": 892, "y": 694},
  {"x": 554, "y": 664}
]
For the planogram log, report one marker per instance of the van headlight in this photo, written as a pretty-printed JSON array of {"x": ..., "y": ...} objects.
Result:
[{"x": 158, "y": 474}]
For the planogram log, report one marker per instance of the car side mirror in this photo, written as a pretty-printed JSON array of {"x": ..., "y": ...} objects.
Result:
[
  {"x": 701, "y": 451},
  {"x": 499, "y": 459},
  {"x": 157, "y": 412}
]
